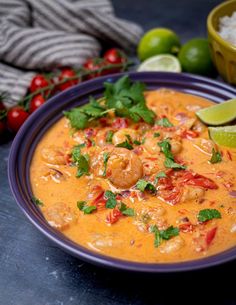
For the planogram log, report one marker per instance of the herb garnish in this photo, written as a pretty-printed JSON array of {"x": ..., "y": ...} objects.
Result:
[
  {"x": 156, "y": 134},
  {"x": 105, "y": 160},
  {"x": 144, "y": 185},
  {"x": 164, "y": 122},
  {"x": 109, "y": 136},
  {"x": 208, "y": 214},
  {"x": 81, "y": 161},
  {"x": 37, "y": 201},
  {"x": 123, "y": 97},
  {"x": 136, "y": 142},
  {"x": 169, "y": 161},
  {"x": 87, "y": 209},
  {"x": 215, "y": 157},
  {"x": 125, "y": 210},
  {"x": 163, "y": 234},
  {"x": 158, "y": 176},
  {"x": 126, "y": 144},
  {"x": 111, "y": 202}
]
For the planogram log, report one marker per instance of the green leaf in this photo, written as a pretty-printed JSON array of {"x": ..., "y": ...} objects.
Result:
[
  {"x": 87, "y": 209},
  {"x": 164, "y": 122},
  {"x": 138, "y": 112},
  {"x": 136, "y": 142},
  {"x": 125, "y": 144},
  {"x": 111, "y": 202},
  {"x": 144, "y": 185},
  {"x": 93, "y": 108},
  {"x": 37, "y": 201},
  {"x": 166, "y": 149},
  {"x": 169, "y": 163},
  {"x": 208, "y": 214},
  {"x": 156, "y": 134},
  {"x": 157, "y": 236},
  {"x": 125, "y": 210},
  {"x": 216, "y": 156},
  {"x": 77, "y": 118},
  {"x": 169, "y": 232},
  {"x": 105, "y": 160},
  {"x": 83, "y": 166},
  {"x": 159, "y": 175},
  {"x": 109, "y": 136}
]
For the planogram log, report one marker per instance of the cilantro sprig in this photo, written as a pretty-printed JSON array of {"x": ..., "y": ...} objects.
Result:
[
  {"x": 111, "y": 200},
  {"x": 161, "y": 235},
  {"x": 144, "y": 185},
  {"x": 164, "y": 122},
  {"x": 81, "y": 161},
  {"x": 215, "y": 157},
  {"x": 169, "y": 161},
  {"x": 105, "y": 160},
  {"x": 208, "y": 214},
  {"x": 37, "y": 201},
  {"x": 87, "y": 209},
  {"x": 123, "y": 97}
]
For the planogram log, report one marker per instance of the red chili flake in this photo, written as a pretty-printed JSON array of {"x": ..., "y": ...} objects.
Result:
[
  {"x": 89, "y": 143},
  {"x": 228, "y": 185},
  {"x": 212, "y": 203},
  {"x": 182, "y": 211},
  {"x": 99, "y": 201},
  {"x": 113, "y": 216},
  {"x": 189, "y": 134},
  {"x": 152, "y": 159},
  {"x": 138, "y": 150},
  {"x": 210, "y": 235},
  {"x": 229, "y": 155},
  {"x": 120, "y": 123},
  {"x": 186, "y": 227},
  {"x": 104, "y": 122}
]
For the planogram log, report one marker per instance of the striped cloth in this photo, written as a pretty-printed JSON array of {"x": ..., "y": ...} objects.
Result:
[{"x": 44, "y": 34}]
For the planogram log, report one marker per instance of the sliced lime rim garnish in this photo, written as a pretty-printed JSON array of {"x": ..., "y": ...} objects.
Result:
[
  {"x": 218, "y": 114},
  {"x": 162, "y": 62},
  {"x": 223, "y": 136}
]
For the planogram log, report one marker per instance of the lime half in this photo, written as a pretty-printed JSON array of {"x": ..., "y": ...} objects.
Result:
[
  {"x": 218, "y": 114},
  {"x": 162, "y": 62},
  {"x": 225, "y": 136}
]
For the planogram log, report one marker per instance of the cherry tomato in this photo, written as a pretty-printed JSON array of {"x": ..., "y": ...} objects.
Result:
[
  {"x": 120, "y": 123},
  {"x": 95, "y": 64},
  {"x": 66, "y": 73},
  {"x": 38, "y": 82},
  {"x": 113, "y": 216},
  {"x": 210, "y": 235},
  {"x": 36, "y": 102},
  {"x": 16, "y": 117},
  {"x": 115, "y": 56}
]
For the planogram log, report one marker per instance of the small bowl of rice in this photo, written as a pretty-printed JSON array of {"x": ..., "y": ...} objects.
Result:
[{"x": 221, "y": 26}]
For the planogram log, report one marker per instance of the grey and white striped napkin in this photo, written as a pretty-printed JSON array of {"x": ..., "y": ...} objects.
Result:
[{"x": 43, "y": 34}]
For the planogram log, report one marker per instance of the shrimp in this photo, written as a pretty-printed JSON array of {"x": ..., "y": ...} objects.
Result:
[
  {"x": 192, "y": 193},
  {"x": 124, "y": 168},
  {"x": 172, "y": 245},
  {"x": 176, "y": 146},
  {"x": 150, "y": 143},
  {"x": 60, "y": 215},
  {"x": 54, "y": 155},
  {"x": 123, "y": 134}
]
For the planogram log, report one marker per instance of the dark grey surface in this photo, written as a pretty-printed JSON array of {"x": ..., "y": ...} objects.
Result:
[{"x": 35, "y": 272}]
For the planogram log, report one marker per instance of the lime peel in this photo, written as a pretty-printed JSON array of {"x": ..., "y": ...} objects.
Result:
[
  {"x": 225, "y": 136},
  {"x": 218, "y": 114},
  {"x": 162, "y": 62}
]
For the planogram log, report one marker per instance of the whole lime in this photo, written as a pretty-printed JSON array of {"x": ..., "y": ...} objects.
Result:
[
  {"x": 158, "y": 41},
  {"x": 195, "y": 57}
]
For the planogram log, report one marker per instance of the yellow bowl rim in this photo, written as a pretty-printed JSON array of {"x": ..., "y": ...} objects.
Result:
[{"x": 213, "y": 32}]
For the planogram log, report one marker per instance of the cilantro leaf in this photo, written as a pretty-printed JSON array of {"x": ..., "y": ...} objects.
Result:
[
  {"x": 159, "y": 175},
  {"x": 169, "y": 163},
  {"x": 208, "y": 214},
  {"x": 126, "y": 144},
  {"x": 164, "y": 122},
  {"x": 81, "y": 161},
  {"x": 105, "y": 160},
  {"x": 78, "y": 119},
  {"x": 37, "y": 201},
  {"x": 136, "y": 142},
  {"x": 93, "y": 108},
  {"x": 156, "y": 134},
  {"x": 166, "y": 149},
  {"x": 216, "y": 156},
  {"x": 144, "y": 185},
  {"x": 163, "y": 234},
  {"x": 109, "y": 136},
  {"x": 87, "y": 209},
  {"x": 125, "y": 210},
  {"x": 111, "y": 202}
]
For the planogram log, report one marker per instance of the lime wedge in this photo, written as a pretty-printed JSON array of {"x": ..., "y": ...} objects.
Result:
[
  {"x": 225, "y": 136},
  {"x": 162, "y": 62},
  {"x": 218, "y": 114}
]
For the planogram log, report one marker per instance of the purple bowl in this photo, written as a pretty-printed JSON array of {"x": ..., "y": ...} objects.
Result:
[{"x": 34, "y": 128}]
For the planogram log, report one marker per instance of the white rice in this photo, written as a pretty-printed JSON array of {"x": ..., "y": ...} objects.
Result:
[{"x": 227, "y": 28}]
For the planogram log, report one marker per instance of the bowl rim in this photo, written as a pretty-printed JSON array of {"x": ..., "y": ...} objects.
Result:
[
  {"x": 212, "y": 30},
  {"x": 78, "y": 250}
]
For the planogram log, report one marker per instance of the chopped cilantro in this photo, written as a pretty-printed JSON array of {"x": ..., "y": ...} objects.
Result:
[
  {"x": 164, "y": 122},
  {"x": 136, "y": 142},
  {"x": 126, "y": 144},
  {"x": 159, "y": 175},
  {"x": 143, "y": 140},
  {"x": 215, "y": 157},
  {"x": 208, "y": 214},
  {"x": 111, "y": 202},
  {"x": 125, "y": 210},
  {"x": 144, "y": 185},
  {"x": 169, "y": 163},
  {"x": 156, "y": 134},
  {"x": 163, "y": 234},
  {"x": 37, "y": 201},
  {"x": 81, "y": 161},
  {"x": 109, "y": 136},
  {"x": 87, "y": 209},
  {"x": 105, "y": 160}
]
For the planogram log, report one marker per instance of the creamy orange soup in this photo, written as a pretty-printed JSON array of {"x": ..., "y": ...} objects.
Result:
[{"x": 153, "y": 213}]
